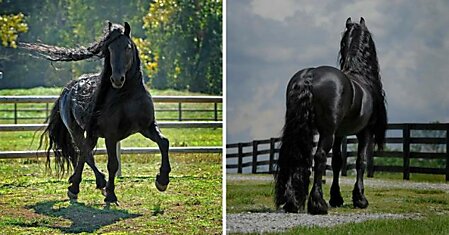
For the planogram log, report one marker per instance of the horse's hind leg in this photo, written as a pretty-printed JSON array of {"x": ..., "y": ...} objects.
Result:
[
  {"x": 365, "y": 150},
  {"x": 316, "y": 203},
  {"x": 99, "y": 177},
  {"x": 335, "y": 196},
  {"x": 153, "y": 133},
  {"x": 75, "y": 179}
]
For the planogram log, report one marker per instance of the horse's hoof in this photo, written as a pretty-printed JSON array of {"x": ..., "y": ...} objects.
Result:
[
  {"x": 72, "y": 196},
  {"x": 108, "y": 204},
  {"x": 103, "y": 191},
  {"x": 362, "y": 203},
  {"x": 336, "y": 201},
  {"x": 160, "y": 187},
  {"x": 290, "y": 208},
  {"x": 317, "y": 206}
]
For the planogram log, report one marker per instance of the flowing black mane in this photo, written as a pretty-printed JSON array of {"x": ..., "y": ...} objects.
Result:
[
  {"x": 98, "y": 48},
  {"x": 358, "y": 58}
]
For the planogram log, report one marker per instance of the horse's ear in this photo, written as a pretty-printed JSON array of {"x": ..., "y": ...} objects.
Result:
[
  {"x": 362, "y": 22},
  {"x": 109, "y": 25},
  {"x": 348, "y": 22},
  {"x": 127, "y": 29}
]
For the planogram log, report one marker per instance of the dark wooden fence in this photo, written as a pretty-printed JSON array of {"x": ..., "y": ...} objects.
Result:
[
  {"x": 179, "y": 105},
  {"x": 405, "y": 142}
]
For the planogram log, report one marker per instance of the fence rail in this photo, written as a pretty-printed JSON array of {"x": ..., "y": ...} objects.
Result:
[
  {"x": 123, "y": 150},
  {"x": 180, "y": 100},
  {"x": 260, "y": 156}
]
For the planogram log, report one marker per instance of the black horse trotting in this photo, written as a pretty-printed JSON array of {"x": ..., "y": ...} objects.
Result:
[
  {"x": 335, "y": 103},
  {"x": 113, "y": 105}
]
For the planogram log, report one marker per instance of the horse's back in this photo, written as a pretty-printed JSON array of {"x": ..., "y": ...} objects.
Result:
[
  {"x": 340, "y": 104},
  {"x": 77, "y": 101}
]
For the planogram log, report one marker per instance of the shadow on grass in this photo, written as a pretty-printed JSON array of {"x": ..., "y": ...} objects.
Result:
[{"x": 83, "y": 218}]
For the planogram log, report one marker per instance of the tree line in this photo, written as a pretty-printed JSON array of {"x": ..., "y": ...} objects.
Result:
[{"x": 180, "y": 41}]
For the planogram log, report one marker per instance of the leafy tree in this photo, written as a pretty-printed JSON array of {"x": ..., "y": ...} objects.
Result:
[
  {"x": 10, "y": 27},
  {"x": 186, "y": 44}
]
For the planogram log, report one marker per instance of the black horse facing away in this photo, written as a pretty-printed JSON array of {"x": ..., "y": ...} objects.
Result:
[
  {"x": 335, "y": 103},
  {"x": 113, "y": 105}
]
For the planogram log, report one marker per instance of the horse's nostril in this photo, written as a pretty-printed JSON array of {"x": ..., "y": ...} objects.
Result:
[{"x": 122, "y": 79}]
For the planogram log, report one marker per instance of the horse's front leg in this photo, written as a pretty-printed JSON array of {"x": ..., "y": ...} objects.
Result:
[
  {"x": 365, "y": 150},
  {"x": 316, "y": 203},
  {"x": 153, "y": 133},
  {"x": 99, "y": 177},
  {"x": 112, "y": 170}
]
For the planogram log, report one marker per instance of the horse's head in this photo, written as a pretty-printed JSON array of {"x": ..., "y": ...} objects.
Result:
[
  {"x": 357, "y": 49},
  {"x": 121, "y": 50},
  {"x": 352, "y": 37}
]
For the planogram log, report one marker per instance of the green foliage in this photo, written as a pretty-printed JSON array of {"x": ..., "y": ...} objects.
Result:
[
  {"x": 180, "y": 42},
  {"x": 10, "y": 27},
  {"x": 186, "y": 44}
]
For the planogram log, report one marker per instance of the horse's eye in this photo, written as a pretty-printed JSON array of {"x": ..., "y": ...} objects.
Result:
[{"x": 128, "y": 47}]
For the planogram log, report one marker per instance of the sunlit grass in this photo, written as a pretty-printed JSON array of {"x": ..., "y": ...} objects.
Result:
[
  {"x": 34, "y": 201},
  {"x": 257, "y": 196}
]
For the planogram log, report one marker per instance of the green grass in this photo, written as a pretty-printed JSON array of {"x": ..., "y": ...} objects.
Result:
[
  {"x": 431, "y": 205},
  {"x": 33, "y": 201}
]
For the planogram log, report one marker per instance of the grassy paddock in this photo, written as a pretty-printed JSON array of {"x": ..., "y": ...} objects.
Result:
[
  {"x": 34, "y": 201},
  {"x": 431, "y": 205}
]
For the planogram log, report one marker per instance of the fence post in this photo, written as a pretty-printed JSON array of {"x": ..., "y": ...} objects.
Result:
[
  {"x": 272, "y": 148},
  {"x": 15, "y": 113},
  {"x": 370, "y": 163},
  {"x": 119, "y": 159},
  {"x": 46, "y": 110},
  {"x": 344, "y": 155},
  {"x": 447, "y": 152},
  {"x": 179, "y": 111},
  {"x": 239, "y": 157},
  {"x": 255, "y": 145},
  {"x": 406, "y": 151},
  {"x": 215, "y": 112}
]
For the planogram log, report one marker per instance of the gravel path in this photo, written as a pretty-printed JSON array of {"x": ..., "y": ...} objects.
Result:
[
  {"x": 273, "y": 222},
  {"x": 369, "y": 182},
  {"x": 276, "y": 222}
]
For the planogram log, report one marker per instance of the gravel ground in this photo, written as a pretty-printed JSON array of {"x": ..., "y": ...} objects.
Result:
[
  {"x": 276, "y": 222},
  {"x": 273, "y": 222},
  {"x": 350, "y": 180}
]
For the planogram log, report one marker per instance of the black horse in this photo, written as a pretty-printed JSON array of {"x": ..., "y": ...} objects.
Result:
[
  {"x": 335, "y": 103},
  {"x": 113, "y": 105}
]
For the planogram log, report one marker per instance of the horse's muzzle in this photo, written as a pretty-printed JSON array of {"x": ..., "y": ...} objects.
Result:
[{"x": 117, "y": 82}]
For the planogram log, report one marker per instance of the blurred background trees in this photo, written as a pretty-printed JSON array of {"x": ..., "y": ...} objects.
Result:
[{"x": 180, "y": 41}]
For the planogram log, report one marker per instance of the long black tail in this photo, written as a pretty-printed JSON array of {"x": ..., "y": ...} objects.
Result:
[
  {"x": 60, "y": 142},
  {"x": 295, "y": 156}
]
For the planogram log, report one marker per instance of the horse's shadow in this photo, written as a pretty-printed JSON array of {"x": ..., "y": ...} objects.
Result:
[{"x": 83, "y": 218}]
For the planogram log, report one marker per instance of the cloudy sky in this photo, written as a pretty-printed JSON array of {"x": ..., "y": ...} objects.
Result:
[{"x": 268, "y": 41}]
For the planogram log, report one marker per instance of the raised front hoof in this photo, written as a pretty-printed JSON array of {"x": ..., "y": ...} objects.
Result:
[
  {"x": 317, "y": 206},
  {"x": 160, "y": 187},
  {"x": 336, "y": 201},
  {"x": 72, "y": 196},
  {"x": 361, "y": 203},
  {"x": 161, "y": 184}
]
